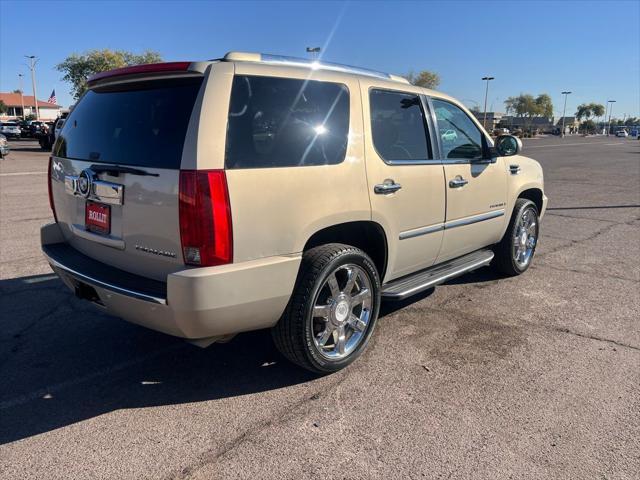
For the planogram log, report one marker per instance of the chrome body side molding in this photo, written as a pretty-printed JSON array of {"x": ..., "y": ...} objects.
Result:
[{"x": 416, "y": 232}]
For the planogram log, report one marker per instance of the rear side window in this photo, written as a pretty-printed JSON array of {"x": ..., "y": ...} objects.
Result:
[
  {"x": 142, "y": 124},
  {"x": 398, "y": 126},
  {"x": 283, "y": 122}
]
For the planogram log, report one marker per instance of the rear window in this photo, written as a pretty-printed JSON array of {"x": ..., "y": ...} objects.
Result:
[
  {"x": 142, "y": 124},
  {"x": 283, "y": 122}
]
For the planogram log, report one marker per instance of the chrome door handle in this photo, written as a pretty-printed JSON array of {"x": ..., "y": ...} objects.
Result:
[
  {"x": 458, "y": 182},
  {"x": 389, "y": 186}
]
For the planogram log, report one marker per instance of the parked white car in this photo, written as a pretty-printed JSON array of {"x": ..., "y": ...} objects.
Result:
[{"x": 622, "y": 133}]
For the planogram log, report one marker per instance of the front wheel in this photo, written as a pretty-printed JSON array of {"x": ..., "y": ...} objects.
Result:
[
  {"x": 333, "y": 310},
  {"x": 515, "y": 251}
]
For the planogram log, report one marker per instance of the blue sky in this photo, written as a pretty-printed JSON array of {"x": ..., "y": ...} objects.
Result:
[{"x": 589, "y": 47}]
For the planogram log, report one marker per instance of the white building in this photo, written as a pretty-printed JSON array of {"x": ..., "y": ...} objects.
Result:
[{"x": 48, "y": 111}]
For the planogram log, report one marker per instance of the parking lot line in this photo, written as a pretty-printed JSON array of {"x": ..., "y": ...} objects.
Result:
[
  {"x": 15, "y": 174},
  {"x": 574, "y": 144}
]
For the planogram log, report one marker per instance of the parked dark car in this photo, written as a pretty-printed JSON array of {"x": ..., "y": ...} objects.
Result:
[
  {"x": 35, "y": 128},
  {"x": 24, "y": 128},
  {"x": 46, "y": 135}
]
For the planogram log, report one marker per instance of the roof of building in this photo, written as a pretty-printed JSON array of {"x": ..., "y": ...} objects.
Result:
[
  {"x": 13, "y": 100},
  {"x": 567, "y": 120}
]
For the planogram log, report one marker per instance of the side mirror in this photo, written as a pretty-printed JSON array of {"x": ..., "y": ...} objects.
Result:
[{"x": 508, "y": 145}]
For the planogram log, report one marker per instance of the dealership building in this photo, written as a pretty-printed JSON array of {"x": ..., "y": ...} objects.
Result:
[{"x": 14, "y": 102}]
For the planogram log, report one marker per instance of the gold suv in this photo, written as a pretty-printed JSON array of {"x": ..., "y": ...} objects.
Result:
[{"x": 204, "y": 199}]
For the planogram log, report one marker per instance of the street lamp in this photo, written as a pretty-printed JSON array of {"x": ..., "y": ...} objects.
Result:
[
  {"x": 314, "y": 51},
  {"x": 486, "y": 94},
  {"x": 21, "y": 94},
  {"x": 610, "y": 110},
  {"x": 32, "y": 66},
  {"x": 564, "y": 110}
]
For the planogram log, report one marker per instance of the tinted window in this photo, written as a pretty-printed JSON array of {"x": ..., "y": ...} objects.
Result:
[
  {"x": 460, "y": 136},
  {"x": 278, "y": 122},
  {"x": 398, "y": 126},
  {"x": 143, "y": 124}
]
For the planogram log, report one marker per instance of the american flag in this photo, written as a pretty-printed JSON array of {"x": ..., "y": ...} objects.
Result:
[{"x": 52, "y": 97}]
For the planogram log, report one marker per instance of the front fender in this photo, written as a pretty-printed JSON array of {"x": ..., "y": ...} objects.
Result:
[{"x": 529, "y": 176}]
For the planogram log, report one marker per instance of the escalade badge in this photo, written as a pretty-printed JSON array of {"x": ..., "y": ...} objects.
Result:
[
  {"x": 155, "y": 251},
  {"x": 85, "y": 179}
]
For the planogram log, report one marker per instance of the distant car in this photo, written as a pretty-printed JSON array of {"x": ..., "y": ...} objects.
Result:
[
  {"x": 10, "y": 130},
  {"x": 449, "y": 136},
  {"x": 24, "y": 128},
  {"x": 58, "y": 126},
  {"x": 622, "y": 133},
  {"x": 34, "y": 128},
  {"x": 4, "y": 146},
  {"x": 46, "y": 135}
]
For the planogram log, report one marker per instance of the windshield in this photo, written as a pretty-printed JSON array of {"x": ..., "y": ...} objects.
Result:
[{"x": 141, "y": 124}]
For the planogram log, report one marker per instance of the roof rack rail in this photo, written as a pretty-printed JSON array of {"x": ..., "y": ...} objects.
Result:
[{"x": 304, "y": 62}]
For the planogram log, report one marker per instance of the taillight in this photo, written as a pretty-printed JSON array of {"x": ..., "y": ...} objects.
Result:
[
  {"x": 49, "y": 180},
  {"x": 205, "y": 218}
]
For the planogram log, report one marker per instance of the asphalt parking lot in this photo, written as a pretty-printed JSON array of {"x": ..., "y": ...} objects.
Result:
[{"x": 484, "y": 377}]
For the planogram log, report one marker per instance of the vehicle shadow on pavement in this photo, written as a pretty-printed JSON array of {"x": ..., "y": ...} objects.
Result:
[
  {"x": 16, "y": 146},
  {"x": 63, "y": 361}
]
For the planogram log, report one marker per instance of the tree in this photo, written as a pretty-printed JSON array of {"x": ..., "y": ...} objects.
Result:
[
  {"x": 588, "y": 110},
  {"x": 588, "y": 126},
  {"x": 597, "y": 109},
  {"x": 78, "y": 68},
  {"x": 3, "y": 107},
  {"x": 425, "y": 79},
  {"x": 17, "y": 90},
  {"x": 544, "y": 105},
  {"x": 528, "y": 107}
]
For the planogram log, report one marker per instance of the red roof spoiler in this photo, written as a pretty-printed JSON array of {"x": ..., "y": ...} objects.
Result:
[{"x": 141, "y": 69}]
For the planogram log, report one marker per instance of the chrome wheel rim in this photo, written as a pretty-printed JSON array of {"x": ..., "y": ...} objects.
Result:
[
  {"x": 342, "y": 312},
  {"x": 525, "y": 238}
]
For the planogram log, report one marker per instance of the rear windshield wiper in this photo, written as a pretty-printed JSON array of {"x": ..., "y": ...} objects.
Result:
[{"x": 116, "y": 170}]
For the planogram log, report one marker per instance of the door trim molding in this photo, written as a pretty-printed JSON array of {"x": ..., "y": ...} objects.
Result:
[
  {"x": 474, "y": 219},
  {"x": 416, "y": 232},
  {"x": 437, "y": 227}
]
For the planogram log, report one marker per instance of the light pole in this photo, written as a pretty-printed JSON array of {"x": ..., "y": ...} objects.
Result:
[
  {"x": 610, "y": 110},
  {"x": 21, "y": 93},
  {"x": 564, "y": 110},
  {"x": 486, "y": 94},
  {"x": 314, "y": 51},
  {"x": 32, "y": 66}
]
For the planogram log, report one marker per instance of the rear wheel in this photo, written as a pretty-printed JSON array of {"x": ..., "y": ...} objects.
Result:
[
  {"x": 515, "y": 251},
  {"x": 333, "y": 310}
]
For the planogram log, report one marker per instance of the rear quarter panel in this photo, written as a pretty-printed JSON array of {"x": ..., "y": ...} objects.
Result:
[{"x": 276, "y": 210}]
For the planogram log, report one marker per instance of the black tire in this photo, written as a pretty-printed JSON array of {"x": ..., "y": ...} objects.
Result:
[
  {"x": 504, "y": 260},
  {"x": 293, "y": 334}
]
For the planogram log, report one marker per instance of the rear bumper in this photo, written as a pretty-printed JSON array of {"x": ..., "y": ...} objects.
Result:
[{"x": 198, "y": 303}]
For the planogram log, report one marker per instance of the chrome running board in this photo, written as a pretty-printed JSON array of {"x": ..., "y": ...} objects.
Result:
[{"x": 404, "y": 287}]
